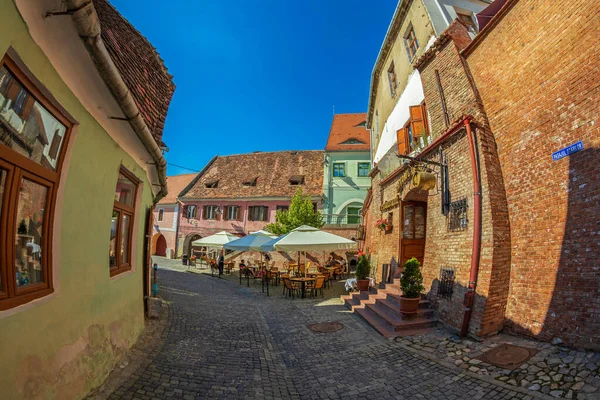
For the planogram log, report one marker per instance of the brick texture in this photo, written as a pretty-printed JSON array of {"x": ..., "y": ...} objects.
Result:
[{"x": 537, "y": 74}]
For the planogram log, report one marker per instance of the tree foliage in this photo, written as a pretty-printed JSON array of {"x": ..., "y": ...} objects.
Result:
[{"x": 301, "y": 212}]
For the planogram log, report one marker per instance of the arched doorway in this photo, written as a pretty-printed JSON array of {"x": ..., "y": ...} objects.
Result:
[
  {"x": 161, "y": 246},
  {"x": 187, "y": 243}
]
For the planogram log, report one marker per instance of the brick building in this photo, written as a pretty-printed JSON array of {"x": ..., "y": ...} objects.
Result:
[
  {"x": 242, "y": 193},
  {"x": 497, "y": 117}
]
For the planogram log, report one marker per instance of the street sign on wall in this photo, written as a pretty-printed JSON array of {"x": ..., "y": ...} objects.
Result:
[{"x": 567, "y": 151}]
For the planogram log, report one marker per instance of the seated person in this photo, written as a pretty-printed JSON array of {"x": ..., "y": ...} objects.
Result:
[{"x": 242, "y": 264}]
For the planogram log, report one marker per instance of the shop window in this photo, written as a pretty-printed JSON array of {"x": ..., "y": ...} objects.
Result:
[
  {"x": 161, "y": 214},
  {"x": 392, "y": 79},
  {"x": 363, "y": 169},
  {"x": 339, "y": 170},
  {"x": 33, "y": 132},
  {"x": 122, "y": 223},
  {"x": 258, "y": 213},
  {"x": 411, "y": 43}
]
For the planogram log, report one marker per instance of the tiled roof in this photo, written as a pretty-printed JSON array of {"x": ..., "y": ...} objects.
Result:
[
  {"x": 346, "y": 130},
  {"x": 175, "y": 185},
  {"x": 271, "y": 170},
  {"x": 140, "y": 66}
]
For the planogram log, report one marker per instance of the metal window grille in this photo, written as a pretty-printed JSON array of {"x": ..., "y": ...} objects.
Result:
[
  {"x": 446, "y": 285},
  {"x": 458, "y": 219}
]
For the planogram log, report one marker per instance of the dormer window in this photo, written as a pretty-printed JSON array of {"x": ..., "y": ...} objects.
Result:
[
  {"x": 353, "y": 141},
  {"x": 250, "y": 181},
  {"x": 296, "y": 180},
  {"x": 212, "y": 184}
]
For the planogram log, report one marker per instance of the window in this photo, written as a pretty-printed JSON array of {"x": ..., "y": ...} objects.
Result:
[
  {"x": 232, "y": 213},
  {"x": 30, "y": 125},
  {"x": 412, "y": 45},
  {"x": 209, "y": 212},
  {"x": 414, "y": 222},
  {"x": 191, "y": 212},
  {"x": 122, "y": 223},
  {"x": 415, "y": 134},
  {"x": 353, "y": 215},
  {"x": 392, "y": 79},
  {"x": 353, "y": 141},
  {"x": 283, "y": 208},
  {"x": 161, "y": 214},
  {"x": 250, "y": 182},
  {"x": 212, "y": 184},
  {"x": 258, "y": 213},
  {"x": 296, "y": 180},
  {"x": 363, "y": 168},
  {"x": 467, "y": 19},
  {"x": 339, "y": 170}
]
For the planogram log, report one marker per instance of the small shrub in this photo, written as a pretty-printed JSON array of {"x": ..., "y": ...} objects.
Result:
[
  {"x": 412, "y": 280},
  {"x": 363, "y": 268}
]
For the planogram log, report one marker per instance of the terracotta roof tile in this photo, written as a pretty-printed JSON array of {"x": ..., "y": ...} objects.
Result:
[
  {"x": 346, "y": 130},
  {"x": 140, "y": 66},
  {"x": 272, "y": 171},
  {"x": 176, "y": 184}
]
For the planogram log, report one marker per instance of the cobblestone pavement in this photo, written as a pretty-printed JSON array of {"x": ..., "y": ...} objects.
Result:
[{"x": 223, "y": 340}]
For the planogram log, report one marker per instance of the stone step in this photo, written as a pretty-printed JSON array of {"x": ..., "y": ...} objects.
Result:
[
  {"x": 398, "y": 321},
  {"x": 393, "y": 300},
  {"x": 386, "y": 330}
]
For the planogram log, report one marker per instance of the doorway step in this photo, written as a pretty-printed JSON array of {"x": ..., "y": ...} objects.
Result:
[{"x": 380, "y": 307}]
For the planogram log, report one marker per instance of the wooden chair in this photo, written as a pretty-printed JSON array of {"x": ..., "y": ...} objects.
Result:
[
  {"x": 319, "y": 284},
  {"x": 290, "y": 287}
]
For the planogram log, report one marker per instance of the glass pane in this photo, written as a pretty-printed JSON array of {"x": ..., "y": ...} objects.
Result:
[
  {"x": 28, "y": 240},
  {"x": 26, "y": 126},
  {"x": 409, "y": 224},
  {"x": 419, "y": 222},
  {"x": 125, "y": 239},
  {"x": 113, "y": 239},
  {"x": 125, "y": 191},
  {"x": 353, "y": 215},
  {"x": 2, "y": 183}
]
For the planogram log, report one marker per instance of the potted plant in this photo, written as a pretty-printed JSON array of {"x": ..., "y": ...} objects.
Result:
[
  {"x": 363, "y": 268},
  {"x": 411, "y": 284},
  {"x": 384, "y": 224}
]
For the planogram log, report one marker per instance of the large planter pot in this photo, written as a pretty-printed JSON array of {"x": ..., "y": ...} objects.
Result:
[
  {"x": 409, "y": 306},
  {"x": 362, "y": 284}
]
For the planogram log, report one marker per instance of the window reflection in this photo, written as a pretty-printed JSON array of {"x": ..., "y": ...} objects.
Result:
[
  {"x": 113, "y": 239},
  {"x": 125, "y": 239},
  {"x": 28, "y": 240},
  {"x": 125, "y": 190},
  {"x": 2, "y": 183},
  {"x": 26, "y": 126}
]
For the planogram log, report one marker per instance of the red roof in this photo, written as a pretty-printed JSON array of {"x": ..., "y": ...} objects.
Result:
[
  {"x": 139, "y": 65},
  {"x": 348, "y": 133},
  {"x": 175, "y": 185}
]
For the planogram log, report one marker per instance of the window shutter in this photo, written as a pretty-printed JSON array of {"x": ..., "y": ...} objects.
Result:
[
  {"x": 226, "y": 213},
  {"x": 204, "y": 208},
  {"x": 27, "y": 106},
  {"x": 238, "y": 213},
  {"x": 402, "y": 138},
  {"x": 53, "y": 152},
  {"x": 417, "y": 121},
  {"x": 13, "y": 89}
]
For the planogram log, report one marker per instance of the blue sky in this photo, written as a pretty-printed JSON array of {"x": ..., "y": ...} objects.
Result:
[{"x": 260, "y": 75}]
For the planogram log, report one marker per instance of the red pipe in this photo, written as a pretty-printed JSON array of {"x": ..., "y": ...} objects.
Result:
[{"x": 476, "y": 252}]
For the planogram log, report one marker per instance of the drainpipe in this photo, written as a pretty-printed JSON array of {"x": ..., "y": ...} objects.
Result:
[
  {"x": 88, "y": 27},
  {"x": 476, "y": 251}
]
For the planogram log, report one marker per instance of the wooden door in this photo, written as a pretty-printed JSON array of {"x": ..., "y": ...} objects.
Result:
[{"x": 412, "y": 241}]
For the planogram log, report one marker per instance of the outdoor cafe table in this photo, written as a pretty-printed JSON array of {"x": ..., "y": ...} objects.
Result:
[{"x": 303, "y": 282}]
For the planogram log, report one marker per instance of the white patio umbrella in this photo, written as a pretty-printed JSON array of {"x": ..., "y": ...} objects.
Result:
[
  {"x": 216, "y": 240},
  {"x": 306, "y": 238}
]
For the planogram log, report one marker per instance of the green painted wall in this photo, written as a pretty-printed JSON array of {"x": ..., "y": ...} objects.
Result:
[
  {"x": 338, "y": 191},
  {"x": 66, "y": 345}
]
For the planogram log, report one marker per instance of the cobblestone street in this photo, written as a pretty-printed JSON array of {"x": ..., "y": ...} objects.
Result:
[{"x": 217, "y": 339}]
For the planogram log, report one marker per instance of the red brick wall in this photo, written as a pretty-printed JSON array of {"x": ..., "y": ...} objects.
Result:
[
  {"x": 454, "y": 249},
  {"x": 537, "y": 74}
]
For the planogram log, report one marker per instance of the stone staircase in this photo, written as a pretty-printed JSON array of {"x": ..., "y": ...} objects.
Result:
[{"x": 380, "y": 307}]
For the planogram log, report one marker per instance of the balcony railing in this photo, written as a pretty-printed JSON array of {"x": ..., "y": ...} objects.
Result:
[{"x": 342, "y": 219}]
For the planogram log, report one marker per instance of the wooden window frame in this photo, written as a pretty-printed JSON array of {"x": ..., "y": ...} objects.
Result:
[
  {"x": 17, "y": 167},
  {"x": 161, "y": 215},
  {"x": 265, "y": 215},
  {"x": 411, "y": 43},
  {"x": 237, "y": 213},
  {"x": 124, "y": 209},
  {"x": 204, "y": 212},
  {"x": 392, "y": 79}
]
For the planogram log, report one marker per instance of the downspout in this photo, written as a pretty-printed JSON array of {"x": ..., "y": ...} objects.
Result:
[
  {"x": 476, "y": 251},
  {"x": 88, "y": 27}
]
